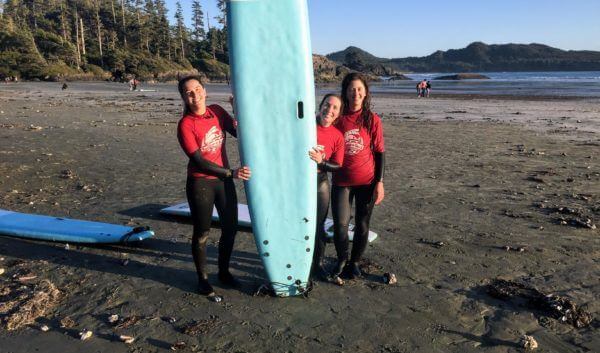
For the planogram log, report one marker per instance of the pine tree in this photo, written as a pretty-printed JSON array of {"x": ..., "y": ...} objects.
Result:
[
  {"x": 198, "y": 32},
  {"x": 222, "y": 17},
  {"x": 180, "y": 30},
  {"x": 162, "y": 29}
]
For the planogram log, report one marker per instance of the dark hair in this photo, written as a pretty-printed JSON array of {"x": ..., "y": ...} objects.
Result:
[
  {"x": 326, "y": 97},
  {"x": 365, "y": 116},
  {"x": 181, "y": 84}
]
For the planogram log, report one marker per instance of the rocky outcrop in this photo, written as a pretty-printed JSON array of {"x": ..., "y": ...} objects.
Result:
[
  {"x": 464, "y": 76},
  {"x": 476, "y": 57},
  {"x": 327, "y": 70}
]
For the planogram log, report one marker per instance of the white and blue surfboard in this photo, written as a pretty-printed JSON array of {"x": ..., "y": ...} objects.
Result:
[
  {"x": 273, "y": 84},
  {"x": 49, "y": 228},
  {"x": 244, "y": 220}
]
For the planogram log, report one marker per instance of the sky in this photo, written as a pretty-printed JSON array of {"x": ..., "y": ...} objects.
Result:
[{"x": 401, "y": 28}]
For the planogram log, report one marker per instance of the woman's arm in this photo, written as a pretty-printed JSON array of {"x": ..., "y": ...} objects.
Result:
[{"x": 209, "y": 167}]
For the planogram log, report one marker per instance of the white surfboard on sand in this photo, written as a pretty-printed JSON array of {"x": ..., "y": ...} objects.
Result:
[{"x": 183, "y": 210}]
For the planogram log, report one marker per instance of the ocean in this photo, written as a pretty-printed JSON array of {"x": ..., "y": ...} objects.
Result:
[{"x": 558, "y": 84}]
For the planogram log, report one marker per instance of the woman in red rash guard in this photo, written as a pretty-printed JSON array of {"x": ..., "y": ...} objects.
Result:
[
  {"x": 360, "y": 178},
  {"x": 329, "y": 155},
  {"x": 201, "y": 134}
]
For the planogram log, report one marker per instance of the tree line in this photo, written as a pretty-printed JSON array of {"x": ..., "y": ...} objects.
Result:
[{"x": 110, "y": 39}]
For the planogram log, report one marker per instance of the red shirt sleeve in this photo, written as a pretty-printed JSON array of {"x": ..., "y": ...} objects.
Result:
[
  {"x": 186, "y": 136},
  {"x": 377, "y": 134},
  {"x": 225, "y": 119},
  {"x": 337, "y": 155}
]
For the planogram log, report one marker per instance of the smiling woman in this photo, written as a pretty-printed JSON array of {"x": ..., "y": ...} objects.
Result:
[
  {"x": 361, "y": 176},
  {"x": 201, "y": 134}
]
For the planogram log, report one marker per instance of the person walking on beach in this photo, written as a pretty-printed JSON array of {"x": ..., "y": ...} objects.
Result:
[
  {"x": 422, "y": 88},
  {"x": 361, "y": 176},
  {"x": 329, "y": 156},
  {"x": 428, "y": 88},
  {"x": 201, "y": 134}
]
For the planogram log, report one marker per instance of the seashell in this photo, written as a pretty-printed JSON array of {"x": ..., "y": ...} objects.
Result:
[
  {"x": 390, "y": 278},
  {"x": 171, "y": 320},
  {"x": 113, "y": 318},
  {"x": 45, "y": 328},
  {"x": 337, "y": 280},
  {"x": 178, "y": 346},
  {"x": 529, "y": 343},
  {"x": 84, "y": 335},
  {"x": 127, "y": 339}
]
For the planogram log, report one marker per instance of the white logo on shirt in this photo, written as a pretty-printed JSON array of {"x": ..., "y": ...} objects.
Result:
[
  {"x": 354, "y": 143},
  {"x": 212, "y": 140}
]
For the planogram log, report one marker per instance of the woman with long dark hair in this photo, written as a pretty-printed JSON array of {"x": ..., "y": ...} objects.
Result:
[
  {"x": 201, "y": 134},
  {"x": 360, "y": 179},
  {"x": 329, "y": 156}
]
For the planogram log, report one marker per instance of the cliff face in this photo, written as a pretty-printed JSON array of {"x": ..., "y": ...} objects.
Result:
[
  {"x": 476, "y": 56},
  {"x": 327, "y": 70}
]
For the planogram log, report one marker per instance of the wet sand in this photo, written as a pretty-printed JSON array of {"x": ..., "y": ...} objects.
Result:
[{"x": 465, "y": 178}]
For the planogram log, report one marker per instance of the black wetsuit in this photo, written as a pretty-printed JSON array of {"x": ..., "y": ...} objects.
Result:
[
  {"x": 214, "y": 189},
  {"x": 363, "y": 197},
  {"x": 323, "y": 195}
]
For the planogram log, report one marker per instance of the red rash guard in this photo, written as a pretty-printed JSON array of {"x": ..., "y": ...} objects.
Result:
[
  {"x": 205, "y": 133},
  {"x": 333, "y": 142},
  {"x": 359, "y": 163}
]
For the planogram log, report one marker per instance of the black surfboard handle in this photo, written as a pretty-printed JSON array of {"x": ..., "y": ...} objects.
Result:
[{"x": 300, "y": 110}]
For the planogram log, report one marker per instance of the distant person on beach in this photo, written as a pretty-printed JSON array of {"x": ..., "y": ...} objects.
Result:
[
  {"x": 133, "y": 84},
  {"x": 360, "y": 179},
  {"x": 329, "y": 156},
  {"x": 422, "y": 88},
  {"x": 201, "y": 134},
  {"x": 428, "y": 88}
]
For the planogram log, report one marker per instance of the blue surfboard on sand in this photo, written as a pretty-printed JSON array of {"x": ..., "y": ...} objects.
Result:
[
  {"x": 273, "y": 84},
  {"x": 49, "y": 228}
]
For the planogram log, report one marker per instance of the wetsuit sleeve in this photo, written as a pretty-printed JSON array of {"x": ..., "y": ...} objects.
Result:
[
  {"x": 379, "y": 166},
  {"x": 226, "y": 120},
  {"x": 328, "y": 166},
  {"x": 208, "y": 167},
  {"x": 378, "y": 147}
]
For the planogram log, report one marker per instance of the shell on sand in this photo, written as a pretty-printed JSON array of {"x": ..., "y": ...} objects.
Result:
[
  {"x": 127, "y": 339},
  {"x": 84, "y": 335},
  {"x": 529, "y": 343}
]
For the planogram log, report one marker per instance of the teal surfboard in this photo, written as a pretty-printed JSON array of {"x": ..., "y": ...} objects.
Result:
[
  {"x": 49, "y": 228},
  {"x": 273, "y": 85}
]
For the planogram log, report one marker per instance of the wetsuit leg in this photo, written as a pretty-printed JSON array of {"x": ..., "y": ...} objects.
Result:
[
  {"x": 323, "y": 194},
  {"x": 364, "y": 208},
  {"x": 200, "y": 195},
  {"x": 226, "y": 204},
  {"x": 341, "y": 208}
]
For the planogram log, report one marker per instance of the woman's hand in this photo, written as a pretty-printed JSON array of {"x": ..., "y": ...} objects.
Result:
[
  {"x": 242, "y": 173},
  {"x": 316, "y": 154},
  {"x": 379, "y": 192}
]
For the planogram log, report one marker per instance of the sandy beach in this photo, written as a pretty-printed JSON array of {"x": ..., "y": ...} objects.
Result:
[{"x": 477, "y": 189}]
